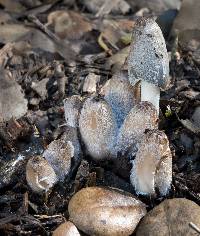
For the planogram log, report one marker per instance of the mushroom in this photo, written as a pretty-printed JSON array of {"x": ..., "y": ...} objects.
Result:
[
  {"x": 148, "y": 60},
  {"x": 59, "y": 154},
  {"x": 66, "y": 229},
  {"x": 105, "y": 211},
  {"x": 40, "y": 176},
  {"x": 141, "y": 117},
  {"x": 152, "y": 167},
  {"x": 72, "y": 106},
  {"x": 98, "y": 128},
  {"x": 119, "y": 94}
]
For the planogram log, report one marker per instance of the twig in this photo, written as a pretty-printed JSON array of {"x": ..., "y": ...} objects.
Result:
[
  {"x": 62, "y": 47},
  {"x": 194, "y": 227}
]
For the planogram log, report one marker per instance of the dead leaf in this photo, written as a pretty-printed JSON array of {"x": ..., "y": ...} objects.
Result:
[
  {"x": 104, "y": 7},
  {"x": 69, "y": 24},
  {"x": 13, "y": 6},
  {"x": 12, "y": 32}
]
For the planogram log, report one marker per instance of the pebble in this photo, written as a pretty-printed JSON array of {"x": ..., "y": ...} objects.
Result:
[{"x": 105, "y": 211}]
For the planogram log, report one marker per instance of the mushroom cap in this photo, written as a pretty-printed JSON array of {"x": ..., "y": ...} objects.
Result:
[
  {"x": 40, "y": 175},
  {"x": 59, "y": 154},
  {"x": 119, "y": 94},
  {"x": 148, "y": 58},
  {"x": 143, "y": 116},
  {"x": 72, "y": 106},
  {"x": 98, "y": 128},
  {"x": 152, "y": 166}
]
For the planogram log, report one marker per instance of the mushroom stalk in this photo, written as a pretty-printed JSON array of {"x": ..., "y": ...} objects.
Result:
[{"x": 150, "y": 93}]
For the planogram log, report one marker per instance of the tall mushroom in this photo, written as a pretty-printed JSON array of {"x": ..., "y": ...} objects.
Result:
[{"x": 148, "y": 60}]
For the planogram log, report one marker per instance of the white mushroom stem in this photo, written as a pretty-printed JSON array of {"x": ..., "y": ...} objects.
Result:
[{"x": 150, "y": 93}]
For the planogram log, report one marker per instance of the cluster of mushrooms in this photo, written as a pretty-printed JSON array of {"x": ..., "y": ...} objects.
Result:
[{"x": 113, "y": 124}]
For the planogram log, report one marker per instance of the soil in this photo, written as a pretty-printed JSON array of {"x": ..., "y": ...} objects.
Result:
[{"x": 23, "y": 212}]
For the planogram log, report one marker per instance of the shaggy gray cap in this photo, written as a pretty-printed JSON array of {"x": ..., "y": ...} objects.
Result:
[{"x": 148, "y": 59}]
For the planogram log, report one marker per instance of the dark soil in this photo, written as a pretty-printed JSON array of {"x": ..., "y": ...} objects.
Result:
[{"x": 23, "y": 212}]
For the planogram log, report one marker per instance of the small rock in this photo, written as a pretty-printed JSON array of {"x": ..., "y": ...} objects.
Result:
[
  {"x": 90, "y": 83},
  {"x": 66, "y": 229},
  {"x": 106, "y": 212},
  {"x": 171, "y": 217}
]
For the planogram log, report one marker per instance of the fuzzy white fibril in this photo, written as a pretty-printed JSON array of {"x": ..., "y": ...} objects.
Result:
[{"x": 150, "y": 93}]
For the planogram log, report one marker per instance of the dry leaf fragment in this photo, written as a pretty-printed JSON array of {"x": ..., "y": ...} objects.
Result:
[
  {"x": 69, "y": 24},
  {"x": 90, "y": 83},
  {"x": 12, "y": 101}
]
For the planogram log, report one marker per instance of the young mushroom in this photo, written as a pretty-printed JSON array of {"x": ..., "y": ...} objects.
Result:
[
  {"x": 72, "y": 106},
  {"x": 40, "y": 176},
  {"x": 59, "y": 154},
  {"x": 152, "y": 167},
  {"x": 141, "y": 117},
  {"x": 119, "y": 94},
  {"x": 98, "y": 128},
  {"x": 148, "y": 60}
]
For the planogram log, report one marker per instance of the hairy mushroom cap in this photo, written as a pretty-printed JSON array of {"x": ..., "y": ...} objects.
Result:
[
  {"x": 59, "y": 154},
  {"x": 106, "y": 212},
  {"x": 148, "y": 58},
  {"x": 66, "y": 229},
  {"x": 72, "y": 106},
  {"x": 152, "y": 166},
  {"x": 12, "y": 101},
  {"x": 143, "y": 116},
  {"x": 98, "y": 128},
  {"x": 40, "y": 175},
  {"x": 119, "y": 94}
]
